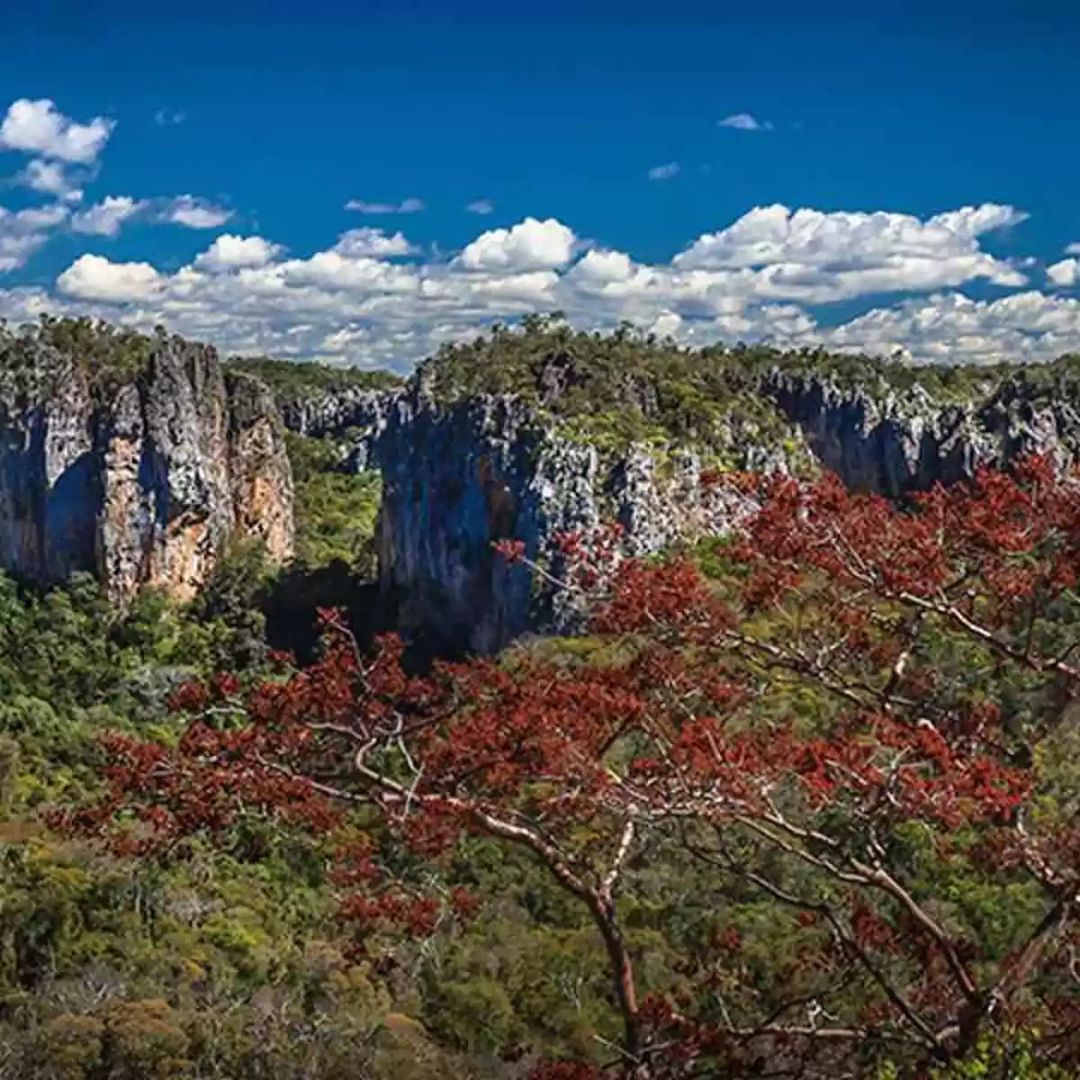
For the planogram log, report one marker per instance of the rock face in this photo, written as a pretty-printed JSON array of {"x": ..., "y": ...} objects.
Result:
[
  {"x": 457, "y": 477},
  {"x": 895, "y": 443},
  {"x": 144, "y": 487}
]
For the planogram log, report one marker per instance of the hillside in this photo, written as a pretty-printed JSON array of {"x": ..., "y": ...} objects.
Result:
[{"x": 528, "y": 433}]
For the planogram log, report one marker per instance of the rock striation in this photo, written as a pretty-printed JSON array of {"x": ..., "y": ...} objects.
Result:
[{"x": 142, "y": 484}]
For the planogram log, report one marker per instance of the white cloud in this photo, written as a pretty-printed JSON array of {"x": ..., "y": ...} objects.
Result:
[
  {"x": 665, "y": 172},
  {"x": 194, "y": 213},
  {"x": 529, "y": 245},
  {"x": 481, "y": 206},
  {"x": 360, "y": 243},
  {"x": 818, "y": 257},
  {"x": 23, "y": 232},
  {"x": 169, "y": 117},
  {"x": 230, "y": 252},
  {"x": 744, "y": 122},
  {"x": 1073, "y": 249},
  {"x": 106, "y": 217},
  {"x": 36, "y": 127},
  {"x": 406, "y": 206},
  {"x": 972, "y": 221},
  {"x": 1064, "y": 274},
  {"x": 951, "y": 328},
  {"x": 92, "y": 277},
  {"x": 359, "y": 301},
  {"x": 50, "y": 178},
  {"x": 332, "y": 271},
  {"x": 604, "y": 266}
]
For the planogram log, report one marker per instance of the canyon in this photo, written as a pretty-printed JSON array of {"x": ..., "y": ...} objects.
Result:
[{"x": 147, "y": 484}]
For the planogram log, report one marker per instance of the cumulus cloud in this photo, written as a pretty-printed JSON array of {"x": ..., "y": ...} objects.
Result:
[
  {"x": 49, "y": 178},
  {"x": 744, "y": 122},
  {"x": 92, "y": 277},
  {"x": 374, "y": 243},
  {"x": 368, "y": 298},
  {"x": 406, "y": 206},
  {"x": 37, "y": 127},
  {"x": 818, "y": 257},
  {"x": 23, "y": 232},
  {"x": 481, "y": 206},
  {"x": 193, "y": 213},
  {"x": 362, "y": 276},
  {"x": 530, "y": 245},
  {"x": 665, "y": 172},
  {"x": 230, "y": 252},
  {"x": 1064, "y": 274},
  {"x": 952, "y": 328},
  {"x": 1073, "y": 249},
  {"x": 106, "y": 217}
]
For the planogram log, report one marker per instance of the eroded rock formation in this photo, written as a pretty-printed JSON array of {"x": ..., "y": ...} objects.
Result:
[
  {"x": 143, "y": 484},
  {"x": 896, "y": 442},
  {"x": 458, "y": 476}
]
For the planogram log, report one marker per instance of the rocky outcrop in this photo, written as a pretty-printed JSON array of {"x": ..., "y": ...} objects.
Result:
[
  {"x": 895, "y": 442},
  {"x": 144, "y": 485},
  {"x": 458, "y": 477}
]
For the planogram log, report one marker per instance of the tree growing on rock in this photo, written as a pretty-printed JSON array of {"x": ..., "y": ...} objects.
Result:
[{"x": 864, "y": 728}]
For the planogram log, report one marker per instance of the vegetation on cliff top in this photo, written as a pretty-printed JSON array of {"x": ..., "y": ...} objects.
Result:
[
  {"x": 291, "y": 381},
  {"x": 612, "y": 387},
  {"x": 625, "y": 385},
  {"x": 112, "y": 356},
  {"x": 108, "y": 355}
]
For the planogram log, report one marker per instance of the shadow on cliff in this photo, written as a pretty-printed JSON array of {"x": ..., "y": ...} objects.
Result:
[{"x": 291, "y": 603}]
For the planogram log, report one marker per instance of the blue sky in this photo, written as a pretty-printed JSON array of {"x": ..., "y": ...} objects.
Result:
[{"x": 266, "y": 121}]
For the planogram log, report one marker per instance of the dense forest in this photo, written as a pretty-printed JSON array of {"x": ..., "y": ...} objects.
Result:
[{"x": 801, "y": 803}]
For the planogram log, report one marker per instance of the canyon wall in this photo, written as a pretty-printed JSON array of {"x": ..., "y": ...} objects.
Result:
[
  {"x": 458, "y": 476},
  {"x": 892, "y": 442},
  {"x": 143, "y": 483}
]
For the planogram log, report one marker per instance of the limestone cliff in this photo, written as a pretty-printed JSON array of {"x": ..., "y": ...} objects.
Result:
[
  {"x": 459, "y": 474},
  {"x": 878, "y": 438},
  {"x": 142, "y": 481}
]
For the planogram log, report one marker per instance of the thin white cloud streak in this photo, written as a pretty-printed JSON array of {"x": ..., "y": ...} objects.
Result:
[
  {"x": 406, "y": 206},
  {"x": 744, "y": 122},
  {"x": 664, "y": 172}
]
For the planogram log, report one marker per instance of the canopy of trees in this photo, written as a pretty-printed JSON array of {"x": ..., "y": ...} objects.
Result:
[{"x": 803, "y": 806}]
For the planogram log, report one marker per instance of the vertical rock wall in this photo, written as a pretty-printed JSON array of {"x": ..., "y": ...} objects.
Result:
[{"x": 145, "y": 487}]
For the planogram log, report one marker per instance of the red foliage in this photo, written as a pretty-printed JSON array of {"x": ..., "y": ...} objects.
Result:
[{"x": 691, "y": 737}]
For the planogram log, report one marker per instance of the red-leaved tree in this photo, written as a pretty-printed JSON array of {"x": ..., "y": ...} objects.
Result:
[{"x": 861, "y": 718}]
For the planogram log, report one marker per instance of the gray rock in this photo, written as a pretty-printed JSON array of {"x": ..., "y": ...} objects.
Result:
[
  {"x": 458, "y": 477},
  {"x": 894, "y": 443},
  {"x": 143, "y": 489}
]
